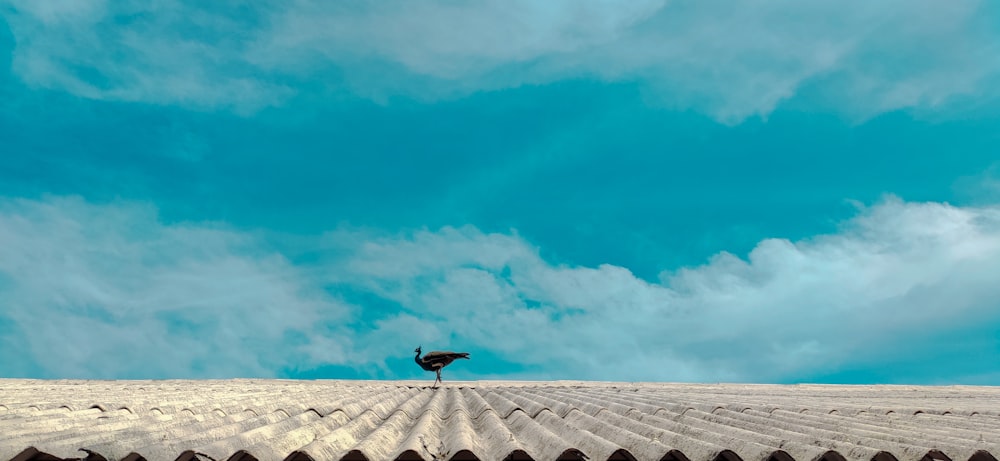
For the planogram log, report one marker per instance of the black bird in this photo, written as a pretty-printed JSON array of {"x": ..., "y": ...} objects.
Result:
[{"x": 436, "y": 360}]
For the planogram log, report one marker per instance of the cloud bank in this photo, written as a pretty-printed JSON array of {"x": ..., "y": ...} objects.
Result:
[
  {"x": 898, "y": 272},
  {"x": 728, "y": 61},
  {"x": 111, "y": 291}
]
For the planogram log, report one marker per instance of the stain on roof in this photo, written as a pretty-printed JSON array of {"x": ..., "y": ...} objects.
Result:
[{"x": 277, "y": 420}]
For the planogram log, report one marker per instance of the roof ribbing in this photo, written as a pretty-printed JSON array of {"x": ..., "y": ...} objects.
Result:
[{"x": 244, "y": 420}]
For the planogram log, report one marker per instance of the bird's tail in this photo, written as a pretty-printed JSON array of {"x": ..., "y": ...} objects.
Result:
[{"x": 463, "y": 355}]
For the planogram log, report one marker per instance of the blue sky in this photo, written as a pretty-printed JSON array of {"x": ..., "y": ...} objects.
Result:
[{"x": 770, "y": 191}]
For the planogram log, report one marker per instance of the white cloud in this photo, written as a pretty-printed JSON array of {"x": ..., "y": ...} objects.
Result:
[
  {"x": 733, "y": 61},
  {"x": 110, "y": 291},
  {"x": 728, "y": 60},
  {"x": 897, "y": 272}
]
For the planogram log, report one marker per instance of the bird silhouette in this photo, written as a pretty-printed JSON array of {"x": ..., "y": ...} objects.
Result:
[{"x": 436, "y": 360}]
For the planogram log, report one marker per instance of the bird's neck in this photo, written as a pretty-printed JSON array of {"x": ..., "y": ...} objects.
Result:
[{"x": 417, "y": 358}]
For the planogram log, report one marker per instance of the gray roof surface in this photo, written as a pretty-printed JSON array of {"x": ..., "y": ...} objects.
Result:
[{"x": 243, "y": 420}]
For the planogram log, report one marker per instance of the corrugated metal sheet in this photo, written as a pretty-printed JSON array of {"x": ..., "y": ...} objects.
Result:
[{"x": 247, "y": 420}]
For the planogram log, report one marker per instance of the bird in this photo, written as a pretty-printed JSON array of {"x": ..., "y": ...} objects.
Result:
[{"x": 436, "y": 360}]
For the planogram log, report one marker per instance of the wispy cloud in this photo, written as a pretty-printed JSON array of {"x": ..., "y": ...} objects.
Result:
[
  {"x": 163, "y": 52},
  {"x": 112, "y": 291},
  {"x": 729, "y": 61}
]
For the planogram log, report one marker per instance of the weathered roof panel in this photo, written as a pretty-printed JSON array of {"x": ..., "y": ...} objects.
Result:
[{"x": 276, "y": 420}]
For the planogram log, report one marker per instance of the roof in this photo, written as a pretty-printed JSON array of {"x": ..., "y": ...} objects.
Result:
[{"x": 244, "y": 420}]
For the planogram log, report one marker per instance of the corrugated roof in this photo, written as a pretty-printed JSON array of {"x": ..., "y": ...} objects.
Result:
[{"x": 243, "y": 420}]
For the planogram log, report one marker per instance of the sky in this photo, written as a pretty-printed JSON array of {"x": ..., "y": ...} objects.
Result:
[{"x": 767, "y": 191}]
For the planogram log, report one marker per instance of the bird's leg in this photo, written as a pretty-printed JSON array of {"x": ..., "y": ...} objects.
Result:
[{"x": 438, "y": 377}]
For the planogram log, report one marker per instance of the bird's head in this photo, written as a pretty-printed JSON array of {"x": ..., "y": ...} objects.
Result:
[{"x": 417, "y": 350}]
